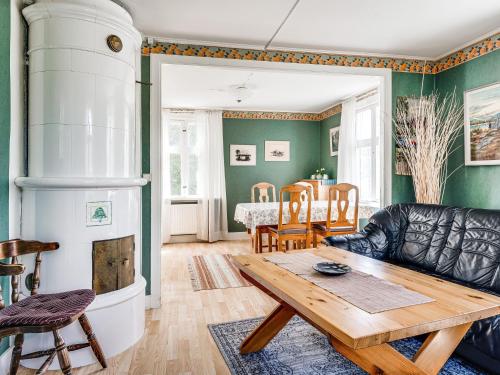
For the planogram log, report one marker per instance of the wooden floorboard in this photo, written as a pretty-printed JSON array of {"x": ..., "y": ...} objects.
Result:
[{"x": 177, "y": 340}]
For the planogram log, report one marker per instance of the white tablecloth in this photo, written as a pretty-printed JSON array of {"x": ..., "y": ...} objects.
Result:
[{"x": 254, "y": 214}]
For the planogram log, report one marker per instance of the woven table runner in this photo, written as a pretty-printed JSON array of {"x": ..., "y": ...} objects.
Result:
[{"x": 365, "y": 291}]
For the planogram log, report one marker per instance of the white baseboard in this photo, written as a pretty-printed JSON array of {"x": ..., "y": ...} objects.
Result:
[
  {"x": 5, "y": 361},
  {"x": 183, "y": 238},
  {"x": 152, "y": 302},
  {"x": 236, "y": 236}
]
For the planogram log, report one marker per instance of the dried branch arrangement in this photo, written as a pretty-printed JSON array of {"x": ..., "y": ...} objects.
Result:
[{"x": 426, "y": 129}]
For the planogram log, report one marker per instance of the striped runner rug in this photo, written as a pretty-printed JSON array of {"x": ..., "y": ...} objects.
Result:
[{"x": 215, "y": 271}]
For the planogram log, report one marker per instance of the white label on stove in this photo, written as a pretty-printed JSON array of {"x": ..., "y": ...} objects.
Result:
[{"x": 99, "y": 213}]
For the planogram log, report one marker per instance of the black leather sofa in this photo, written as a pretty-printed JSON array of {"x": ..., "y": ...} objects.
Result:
[{"x": 461, "y": 245}]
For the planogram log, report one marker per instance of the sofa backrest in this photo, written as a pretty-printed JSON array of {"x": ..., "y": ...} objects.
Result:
[{"x": 460, "y": 243}]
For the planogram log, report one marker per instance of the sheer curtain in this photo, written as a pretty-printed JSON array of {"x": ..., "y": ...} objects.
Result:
[
  {"x": 346, "y": 170},
  {"x": 212, "y": 213},
  {"x": 165, "y": 165}
]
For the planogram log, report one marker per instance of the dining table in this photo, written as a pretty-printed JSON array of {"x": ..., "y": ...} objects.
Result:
[{"x": 261, "y": 214}]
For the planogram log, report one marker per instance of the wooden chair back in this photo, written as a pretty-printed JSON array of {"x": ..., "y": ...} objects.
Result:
[
  {"x": 263, "y": 188},
  {"x": 303, "y": 195},
  {"x": 14, "y": 248},
  {"x": 340, "y": 194},
  {"x": 294, "y": 206}
]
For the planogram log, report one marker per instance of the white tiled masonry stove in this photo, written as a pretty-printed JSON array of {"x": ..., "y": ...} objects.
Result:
[{"x": 83, "y": 182}]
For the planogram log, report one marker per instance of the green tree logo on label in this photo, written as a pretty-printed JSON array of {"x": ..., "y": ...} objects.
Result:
[{"x": 99, "y": 214}]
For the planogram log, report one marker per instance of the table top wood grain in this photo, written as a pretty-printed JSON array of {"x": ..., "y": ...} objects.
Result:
[{"x": 454, "y": 304}]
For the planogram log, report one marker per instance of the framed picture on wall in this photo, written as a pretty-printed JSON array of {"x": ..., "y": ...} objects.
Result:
[
  {"x": 242, "y": 155},
  {"x": 482, "y": 125},
  {"x": 334, "y": 141},
  {"x": 277, "y": 151},
  {"x": 402, "y": 166}
]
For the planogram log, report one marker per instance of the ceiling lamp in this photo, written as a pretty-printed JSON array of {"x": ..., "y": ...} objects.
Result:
[{"x": 240, "y": 92}]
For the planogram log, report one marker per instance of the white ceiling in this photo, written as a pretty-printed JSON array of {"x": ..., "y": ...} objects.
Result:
[
  {"x": 424, "y": 28},
  {"x": 197, "y": 87}
]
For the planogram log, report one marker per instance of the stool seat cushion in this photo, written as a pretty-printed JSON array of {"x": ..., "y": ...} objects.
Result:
[{"x": 46, "y": 309}]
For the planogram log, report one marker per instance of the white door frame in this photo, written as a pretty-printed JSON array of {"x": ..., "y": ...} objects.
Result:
[{"x": 157, "y": 60}]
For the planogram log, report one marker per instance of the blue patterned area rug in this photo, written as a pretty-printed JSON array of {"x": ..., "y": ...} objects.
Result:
[{"x": 300, "y": 349}]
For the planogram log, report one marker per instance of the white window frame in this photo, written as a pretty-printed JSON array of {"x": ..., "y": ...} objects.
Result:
[
  {"x": 183, "y": 149},
  {"x": 371, "y": 103}
]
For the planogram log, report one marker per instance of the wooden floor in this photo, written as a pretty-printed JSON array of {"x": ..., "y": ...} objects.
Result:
[{"x": 177, "y": 340}]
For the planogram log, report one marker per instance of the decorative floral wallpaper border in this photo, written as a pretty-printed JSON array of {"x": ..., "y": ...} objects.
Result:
[
  {"x": 330, "y": 112},
  {"x": 258, "y": 115},
  {"x": 399, "y": 65},
  {"x": 471, "y": 52}
]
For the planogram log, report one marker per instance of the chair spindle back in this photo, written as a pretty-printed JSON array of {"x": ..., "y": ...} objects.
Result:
[
  {"x": 263, "y": 188},
  {"x": 14, "y": 248},
  {"x": 294, "y": 206},
  {"x": 303, "y": 195},
  {"x": 340, "y": 194}
]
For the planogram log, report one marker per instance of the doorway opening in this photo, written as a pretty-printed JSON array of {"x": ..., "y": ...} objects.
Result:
[{"x": 186, "y": 86}]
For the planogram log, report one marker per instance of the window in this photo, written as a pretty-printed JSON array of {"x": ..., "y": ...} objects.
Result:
[
  {"x": 182, "y": 155},
  {"x": 367, "y": 149}
]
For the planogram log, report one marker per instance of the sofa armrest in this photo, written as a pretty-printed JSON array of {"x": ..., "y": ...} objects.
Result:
[{"x": 371, "y": 242}]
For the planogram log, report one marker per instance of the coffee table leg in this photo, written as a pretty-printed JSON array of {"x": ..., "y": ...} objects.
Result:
[
  {"x": 266, "y": 330},
  {"x": 383, "y": 358},
  {"x": 438, "y": 347}
]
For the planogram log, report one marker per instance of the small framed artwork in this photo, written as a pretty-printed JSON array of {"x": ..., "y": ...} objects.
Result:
[
  {"x": 482, "y": 125},
  {"x": 334, "y": 141},
  {"x": 243, "y": 155},
  {"x": 277, "y": 151},
  {"x": 99, "y": 213}
]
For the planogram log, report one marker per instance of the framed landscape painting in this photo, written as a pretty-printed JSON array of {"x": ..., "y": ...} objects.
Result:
[
  {"x": 277, "y": 151},
  {"x": 242, "y": 155},
  {"x": 334, "y": 141},
  {"x": 482, "y": 125}
]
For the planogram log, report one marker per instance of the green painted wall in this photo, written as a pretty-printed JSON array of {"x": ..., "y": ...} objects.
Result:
[
  {"x": 406, "y": 84},
  {"x": 471, "y": 186},
  {"x": 4, "y": 134},
  {"x": 146, "y": 190},
  {"x": 328, "y": 162},
  {"x": 304, "y": 157}
]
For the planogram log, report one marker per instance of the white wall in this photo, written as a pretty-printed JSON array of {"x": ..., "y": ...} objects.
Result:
[{"x": 17, "y": 116}]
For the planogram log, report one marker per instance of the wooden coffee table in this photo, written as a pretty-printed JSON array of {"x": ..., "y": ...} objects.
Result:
[{"x": 358, "y": 335}]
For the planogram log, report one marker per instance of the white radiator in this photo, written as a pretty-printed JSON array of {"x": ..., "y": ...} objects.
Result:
[{"x": 183, "y": 218}]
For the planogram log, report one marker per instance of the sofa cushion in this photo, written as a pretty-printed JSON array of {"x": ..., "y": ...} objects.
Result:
[
  {"x": 426, "y": 230},
  {"x": 472, "y": 252}
]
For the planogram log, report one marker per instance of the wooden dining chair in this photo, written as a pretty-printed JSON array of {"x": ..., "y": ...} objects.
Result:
[
  {"x": 294, "y": 230},
  {"x": 263, "y": 189},
  {"x": 342, "y": 225},
  {"x": 40, "y": 313}
]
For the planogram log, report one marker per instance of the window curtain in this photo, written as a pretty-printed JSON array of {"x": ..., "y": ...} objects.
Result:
[
  {"x": 212, "y": 212},
  {"x": 165, "y": 165},
  {"x": 346, "y": 170}
]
